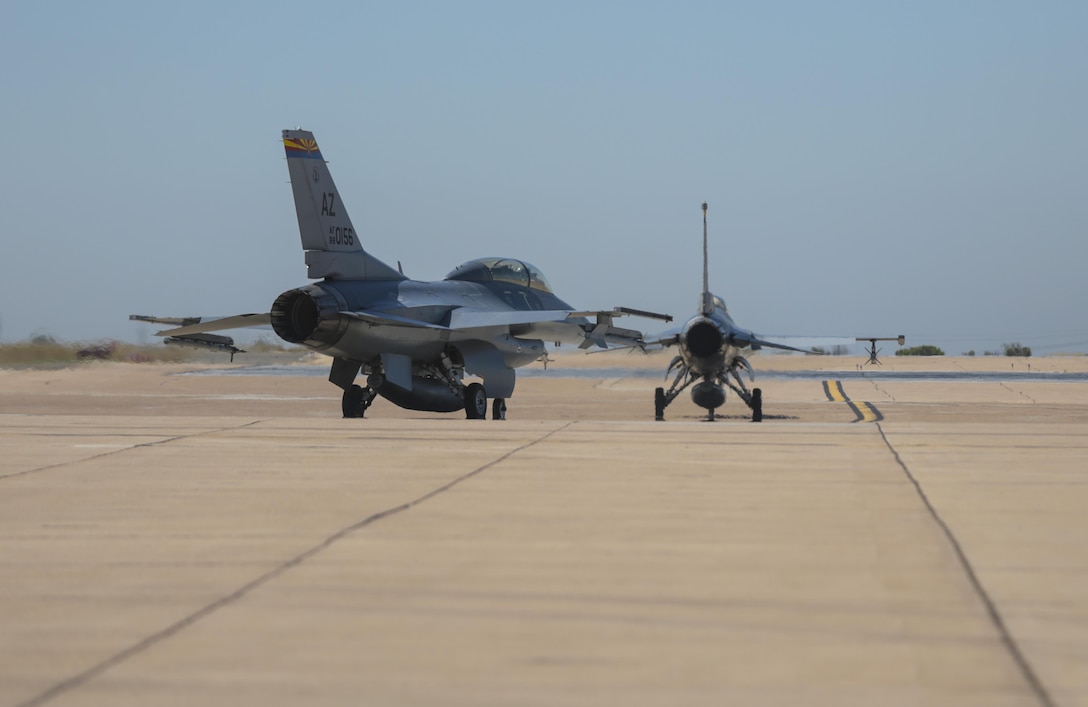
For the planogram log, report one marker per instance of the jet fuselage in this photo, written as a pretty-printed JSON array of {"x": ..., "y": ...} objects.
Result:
[{"x": 358, "y": 319}]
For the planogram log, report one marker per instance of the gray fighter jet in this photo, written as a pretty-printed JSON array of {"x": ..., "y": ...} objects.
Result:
[
  {"x": 413, "y": 341},
  {"x": 710, "y": 359}
]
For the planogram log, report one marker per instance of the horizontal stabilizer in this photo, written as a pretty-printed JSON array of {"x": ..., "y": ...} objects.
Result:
[
  {"x": 659, "y": 344},
  {"x": 175, "y": 321},
  {"x": 805, "y": 344},
  {"x": 756, "y": 344},
  {"x": 669, "y": 337},
  {"x": 203, "y": 325}
]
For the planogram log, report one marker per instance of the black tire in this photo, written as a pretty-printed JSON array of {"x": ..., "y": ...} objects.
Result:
[
  {"x": 659, "y": 404},
  {"x": 498, "y": 409},
  {"x": 475, "y": 402},
  {"x": 757, "y": 405},
  {"x": 352, "y": 402}
]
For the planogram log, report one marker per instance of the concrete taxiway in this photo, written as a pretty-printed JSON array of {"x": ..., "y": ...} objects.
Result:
[{"x": 173, "y": 539}]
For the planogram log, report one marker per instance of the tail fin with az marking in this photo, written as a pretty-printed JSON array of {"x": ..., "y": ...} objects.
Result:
[{"x": 331, "y": 243}]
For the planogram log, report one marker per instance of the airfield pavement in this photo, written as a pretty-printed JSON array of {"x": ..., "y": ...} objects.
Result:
[{"x": 178, "y": 539}]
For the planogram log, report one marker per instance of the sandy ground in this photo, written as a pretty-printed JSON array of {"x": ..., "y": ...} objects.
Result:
[{"x": 171, "y": 539}]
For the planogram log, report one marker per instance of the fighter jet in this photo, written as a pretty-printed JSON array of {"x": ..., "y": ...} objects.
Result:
[
  {"x": 710, "y": 359},
  {"x": 413, "y": 341}
]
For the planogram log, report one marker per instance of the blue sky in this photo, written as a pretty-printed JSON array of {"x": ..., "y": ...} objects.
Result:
[{"x": 872, "y": 168}]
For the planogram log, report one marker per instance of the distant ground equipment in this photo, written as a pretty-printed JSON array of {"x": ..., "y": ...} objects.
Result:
[
  {"x": 101, "y": 352},
  {"x": 873, "y": 350}
]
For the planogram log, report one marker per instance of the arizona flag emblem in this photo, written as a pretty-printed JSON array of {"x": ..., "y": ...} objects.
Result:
[{"x": 303, "y": 147}]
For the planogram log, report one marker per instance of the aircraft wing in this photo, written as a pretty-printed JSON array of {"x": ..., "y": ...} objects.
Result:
[
  {"x": 469, "y": 318},
  {"x": 463, "y": 318},
  {"x": 460, "y": 318},
  {"x": 601, "y": 332}
]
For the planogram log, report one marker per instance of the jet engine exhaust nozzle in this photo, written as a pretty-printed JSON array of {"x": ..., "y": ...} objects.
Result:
[
  {"x": 308, "y": 316},
  {"x": 703, "y": 339}
]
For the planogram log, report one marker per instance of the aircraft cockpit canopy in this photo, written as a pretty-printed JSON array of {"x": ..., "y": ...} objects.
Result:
[
  {"x": 718, "y": 302},
  {"x": 517, "y": 272}
]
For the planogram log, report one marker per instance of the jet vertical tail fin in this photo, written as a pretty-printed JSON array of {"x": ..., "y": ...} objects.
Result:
[
  {"x": 707, "y": 299},
  {"x": 332, "y": 246}
]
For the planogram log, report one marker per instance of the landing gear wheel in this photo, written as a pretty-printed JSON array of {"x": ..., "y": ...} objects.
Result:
[
  {"x": 757, "y": 405},
  {"x": 498, "y": 409},
  {"x": 710, "y": 415},
  {"x": 352, "y": 402},
  {"x": 475, "y": 402},
  {"x": 659, "y": 404}
]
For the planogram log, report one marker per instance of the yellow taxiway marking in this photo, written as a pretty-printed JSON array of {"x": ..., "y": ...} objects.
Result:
[
  {"x": 866, "y": 412},
  {"x": 834, "y": 391}
]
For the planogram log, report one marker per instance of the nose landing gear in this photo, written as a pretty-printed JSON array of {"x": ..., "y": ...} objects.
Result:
[{"x": 356, "y": 400}]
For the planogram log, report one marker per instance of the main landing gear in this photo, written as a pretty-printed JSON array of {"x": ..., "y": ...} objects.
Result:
[
  {"x": 476, "y": 404},
  {"x": 709, "y": 392},
  {"x": 357, "y": 399},
  {"x": 754, "y": 401},
  {"x": 435, "y": 387}
]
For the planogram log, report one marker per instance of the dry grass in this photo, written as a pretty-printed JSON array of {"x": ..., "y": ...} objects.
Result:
[
  {"x": 44, "y": 351},
  {"x": 47, "y": 352}
]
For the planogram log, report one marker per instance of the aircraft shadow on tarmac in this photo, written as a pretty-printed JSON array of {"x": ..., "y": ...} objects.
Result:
[{"x": 735, "y": 418}]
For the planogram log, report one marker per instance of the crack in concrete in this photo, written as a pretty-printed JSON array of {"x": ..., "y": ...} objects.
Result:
[
  {"x": 123, "y": 449},
  {"x": 156, "y": 638},
  {"x": 1018, "y": 657}
]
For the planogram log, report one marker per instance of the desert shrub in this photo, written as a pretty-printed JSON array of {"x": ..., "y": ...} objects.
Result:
[
  {"x": 924, "y": 350},
  {"x": 1016, "y": 349}
]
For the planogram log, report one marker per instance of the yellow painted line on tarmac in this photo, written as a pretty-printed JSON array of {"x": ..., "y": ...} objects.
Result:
[
  {"x": 866, "y": 412},
  {"x": 834, "y": 392}
]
